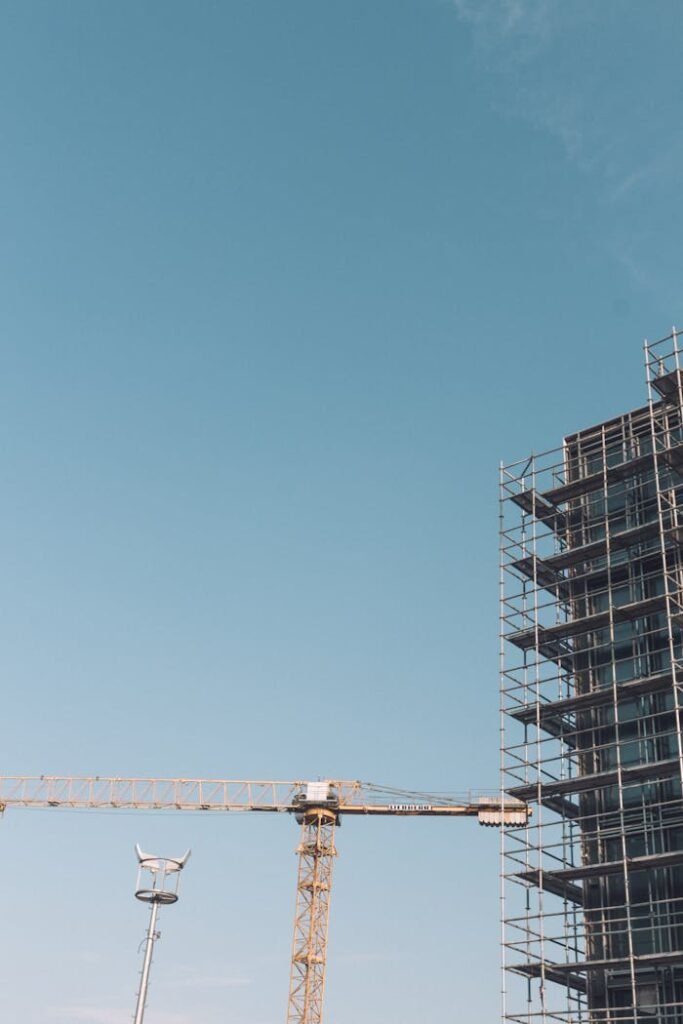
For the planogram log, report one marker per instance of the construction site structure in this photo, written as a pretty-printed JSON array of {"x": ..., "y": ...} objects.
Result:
[
  {"x": 317, "y": 807},
  {"x": 158, "y": 881},
  {"x": 591, "y": 545}
]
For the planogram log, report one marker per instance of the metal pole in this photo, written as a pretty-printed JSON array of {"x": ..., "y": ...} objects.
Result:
[{"x": 152, "y": 936}]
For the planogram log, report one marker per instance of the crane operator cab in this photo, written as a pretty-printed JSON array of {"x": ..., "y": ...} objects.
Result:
[{"x": 315, "y": 795}]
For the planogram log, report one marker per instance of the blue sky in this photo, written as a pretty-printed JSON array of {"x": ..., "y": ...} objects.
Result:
[{"x": 281, "y": 284}]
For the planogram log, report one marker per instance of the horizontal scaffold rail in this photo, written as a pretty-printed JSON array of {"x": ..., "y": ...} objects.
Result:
[{"x": 343, "y": 796}]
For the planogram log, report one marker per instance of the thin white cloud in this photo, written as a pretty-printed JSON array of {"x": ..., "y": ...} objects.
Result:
[
  {"x": 89, "y": 957},
  {"x": 658, "y": 168},
  {"x": 553, "y": 65},
  {"x": 531, "y": 23},
  {"x": 196, "y": 980},
  {"x": 113, "y": 1015},
  {"x": 513, "y": 39},
  {"x": 629, "y": 255},
  {"x": 91, "y": 1014},
  {"x": 369, "y": 958}
]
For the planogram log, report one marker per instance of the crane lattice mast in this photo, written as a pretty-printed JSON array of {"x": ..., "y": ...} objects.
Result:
[
  {"x": 312, "y": 917},
  {"x": 317, "y": 807}
]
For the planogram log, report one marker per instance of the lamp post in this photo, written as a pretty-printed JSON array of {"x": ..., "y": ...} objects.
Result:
[{"x": 158, "y": 882}]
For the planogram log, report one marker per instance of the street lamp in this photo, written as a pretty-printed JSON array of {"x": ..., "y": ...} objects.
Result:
[{"x": 158, "y": 881}]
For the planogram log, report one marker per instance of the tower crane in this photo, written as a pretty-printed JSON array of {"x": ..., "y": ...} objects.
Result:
[{"x": 316, "y": 806}]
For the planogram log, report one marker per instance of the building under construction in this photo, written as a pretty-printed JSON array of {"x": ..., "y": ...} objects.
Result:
[{"x": 592, "y": 696}]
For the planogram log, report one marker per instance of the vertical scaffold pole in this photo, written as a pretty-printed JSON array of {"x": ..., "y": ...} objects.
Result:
[{"x": 314, "y": 883}]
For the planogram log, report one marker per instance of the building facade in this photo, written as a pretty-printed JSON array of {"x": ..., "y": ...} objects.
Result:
[{"x": 592, "y": 716}]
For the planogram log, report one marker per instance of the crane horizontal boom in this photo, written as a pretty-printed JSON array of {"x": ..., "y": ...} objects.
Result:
[{"x": 342, "y": 796}]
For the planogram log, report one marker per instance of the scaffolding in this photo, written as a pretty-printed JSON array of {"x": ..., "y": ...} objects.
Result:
[{"x": 591, "y": 576}]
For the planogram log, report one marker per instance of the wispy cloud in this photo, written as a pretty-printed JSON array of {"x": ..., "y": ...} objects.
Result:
[
  {"x": 113, "y": 1015},
  {"x": 531, "y": 21},
  {"x": 189, "y": 977},
  {"x": 91, "y": 1014},
  {"x": 514, "y": 40},
  {"x": 561, "y": 68},
  {"x": 370, "y": 957},
  {"x": 544, "y": 52},
  {"x": 657, "y": 168},
  {"x": 89, "y": 957}
]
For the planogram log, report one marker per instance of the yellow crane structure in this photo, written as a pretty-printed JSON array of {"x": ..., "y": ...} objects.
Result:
[{"x": 317, "y": 807}]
